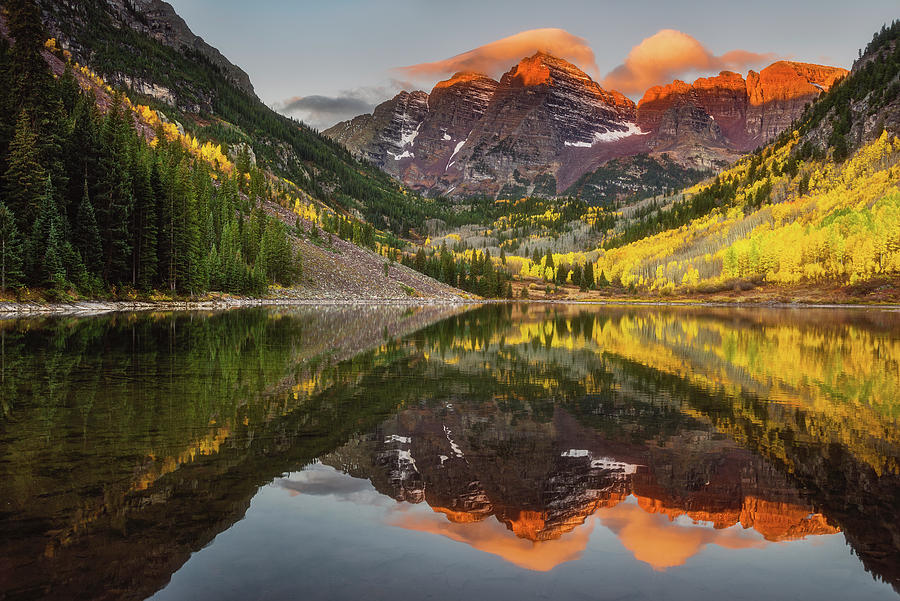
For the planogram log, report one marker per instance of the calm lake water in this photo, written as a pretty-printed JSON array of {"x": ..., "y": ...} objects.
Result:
[{"x": 505, "y": 452}]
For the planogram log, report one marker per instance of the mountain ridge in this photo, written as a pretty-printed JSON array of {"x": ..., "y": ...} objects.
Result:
[{"x": 546, "y": 124}]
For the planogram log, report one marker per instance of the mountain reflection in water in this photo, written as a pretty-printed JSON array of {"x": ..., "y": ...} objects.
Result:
[{"x": 523, "y": 433}]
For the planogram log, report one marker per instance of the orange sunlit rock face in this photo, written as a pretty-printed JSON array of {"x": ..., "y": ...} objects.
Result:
[
  {"x": 748, "y": 111},
  {"x": 786, "y": 80},
  {"x": 460, "y": 517},
  {"x": 775, "y": 521},
  {"x": 460, "y": 78},
  {"x": 529, "y": 524},
  {"x": 532, "y": 71}
]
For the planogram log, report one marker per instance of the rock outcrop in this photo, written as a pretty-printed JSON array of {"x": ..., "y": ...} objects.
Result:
[
  {"x": 748, "y": 112},
  {"x": 158, "y": 20},
  {"x": 154, "y": 18}
]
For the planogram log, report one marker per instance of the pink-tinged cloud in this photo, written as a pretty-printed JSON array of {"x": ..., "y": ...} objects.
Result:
[
  {"x": 497, "y": 57},
  {"x": 669, "y": 54}
]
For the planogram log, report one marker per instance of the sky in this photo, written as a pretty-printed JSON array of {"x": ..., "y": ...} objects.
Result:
[{"x": 323, "y": 61}]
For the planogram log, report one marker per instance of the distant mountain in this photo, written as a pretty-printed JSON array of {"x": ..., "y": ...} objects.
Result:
[{"x": 546, "y": 124}]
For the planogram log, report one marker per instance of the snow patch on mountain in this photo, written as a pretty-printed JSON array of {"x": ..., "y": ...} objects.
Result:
[{"x": 631, "y": 129}]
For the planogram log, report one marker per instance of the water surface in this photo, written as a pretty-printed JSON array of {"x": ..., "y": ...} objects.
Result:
[{"x": 508, "y": 452}]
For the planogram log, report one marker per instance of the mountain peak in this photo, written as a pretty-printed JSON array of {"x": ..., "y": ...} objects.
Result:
[
  {"x": 532, "y": 71},
  {"x": 462, "y": 77},
  {"x": 786, "y": 80}
]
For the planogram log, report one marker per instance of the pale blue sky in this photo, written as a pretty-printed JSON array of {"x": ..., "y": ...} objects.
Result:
[{"x": 347, "y": 48}]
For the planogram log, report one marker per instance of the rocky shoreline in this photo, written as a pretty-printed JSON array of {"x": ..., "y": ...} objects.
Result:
[{"x": 12, "y": 310}]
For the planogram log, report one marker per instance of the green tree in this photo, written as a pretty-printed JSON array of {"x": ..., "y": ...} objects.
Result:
[
  {"x": 577, "y": 275},
  {"x": 144, "y": 230},
  {"x": 113, "y": 199},
  {"x": 187, "y": 276},
  {"x": 11, "y": 274},
  {"x": 86, "y": 234},
  {"x": 24, "y": 180},
  {"x": 587, "y": 277},
  {"x": 32, "y": 77}
]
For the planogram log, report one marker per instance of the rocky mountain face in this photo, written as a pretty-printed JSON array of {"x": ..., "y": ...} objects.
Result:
[
  {"x": 865, "y": 105},
  {"x": 156, "y": 19},
  {"x": 546, "y": 124},
  {"x": 730, "y": 112}
]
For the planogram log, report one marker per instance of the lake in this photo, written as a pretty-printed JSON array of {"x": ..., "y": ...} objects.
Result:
[{"x": 499, "y": 452}]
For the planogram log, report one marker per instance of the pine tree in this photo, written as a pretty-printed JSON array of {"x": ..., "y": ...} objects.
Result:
[
  {"x": 36, "y": 245},
  {"x": 187, "y": 275},
  {"x": 113, "y": 199},
  {"x": 86, "y": 235},
  {"x": 587, "y": 278},
  {"x": 49, "y": 257},
  {"x": 11, "y": 274},
  {"x": 82, "y": 151},
  {"x": 577, "y": 275},
  {"x": 144, "y": 230},
  {"x": 53, "y": 268},
  {"x": 164, "y": 225},
  {"x": 32, "y": 77},
  {"x": 24, "y": 180},
  {"x": 602, "y": 282}
]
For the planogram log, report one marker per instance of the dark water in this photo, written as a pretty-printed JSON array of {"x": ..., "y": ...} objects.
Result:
[{"x": 508, "y": 452}]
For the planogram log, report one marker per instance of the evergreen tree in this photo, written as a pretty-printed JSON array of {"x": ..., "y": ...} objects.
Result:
[
  {"x": 53, "y": 270},
  {"x": 31, "y": 76},
  {"x": 144, "y": 230},
  {"x": 49, "y": 256},
  {"x": 577, "y": 275},
  {"x": 562, "y": 274},
  {"x": 587, "y": 277},
  {"x": 25, "y": 178},
  {"x": 11, "y": 274},
  {"x": 113, "y": 199},
  {"x": 602, "y": 282},
  {"x": 165, "y": 225},
  {"x": 86, "y": 234},
  {"x": 187, "y": 253},
  {"x": 81, "y": 152}
]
